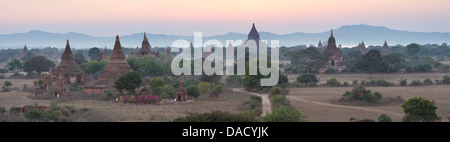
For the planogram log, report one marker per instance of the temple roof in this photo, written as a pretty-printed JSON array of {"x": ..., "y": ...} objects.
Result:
[
  {"x": 146, "y": 47},
  {"x": 331, "y": 41},
  {"x": 67, "y": 55},
  {"x": 67, "y": 66},
  {"x": 253, "y": 34}
]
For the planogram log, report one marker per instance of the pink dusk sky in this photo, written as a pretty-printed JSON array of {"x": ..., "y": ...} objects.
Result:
[{"x": 183, "y": 17}]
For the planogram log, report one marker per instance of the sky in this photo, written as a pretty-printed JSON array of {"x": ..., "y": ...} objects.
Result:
[{"x": 212, "y": 17}]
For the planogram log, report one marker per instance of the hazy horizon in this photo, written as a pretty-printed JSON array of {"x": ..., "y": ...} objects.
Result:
[{"x": 177, "y": 17}]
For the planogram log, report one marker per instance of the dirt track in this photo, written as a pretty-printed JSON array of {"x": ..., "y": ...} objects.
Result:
[{"x": 267, "y": 107}]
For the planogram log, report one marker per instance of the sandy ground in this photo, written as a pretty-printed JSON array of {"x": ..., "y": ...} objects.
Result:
[
  {"x": 395, "y": 78},
  {"x": 17, "y": 98},
  {"x": 318, "y": 104},
  {"x": 267, "y": 107}
]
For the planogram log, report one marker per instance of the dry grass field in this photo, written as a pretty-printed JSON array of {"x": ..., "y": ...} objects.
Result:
[
  {"x": 320, "y": 104},
  {"x": 395, "y": 78}
]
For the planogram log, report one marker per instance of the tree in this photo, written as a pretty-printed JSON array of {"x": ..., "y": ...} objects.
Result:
[
  {"x": 157, "y": 86},
  {"x": 34, "y": 115},
  {"x": 192, "y": 91},
  {"x": 284, "y": 114},
  {"x": 384, "y": 118},
  {"x": 128, "y": 81},
  {"x": 80, "y": 59},
  {"x": 95, "y": 54},
  {"x": 38, "y": 64},
  {"x": 219, "y": 89},
  {"x": 393, "y": 60},
  {"x": 307, "y": 78},
  {"x": 7, "y": 83},
  {"x": 412, "y": 49},
  {"x": 204, "y": 87},
  {"x": 309, "y": 58},
  {"x": 419, "y": 109},
  {"x": 15, "y": 67},
  {"x": 371, "y": 62},
  {"x": 95, "y": 66},
  {"x": 253, "y": 81},
  {"x": 28, "y": 56}
]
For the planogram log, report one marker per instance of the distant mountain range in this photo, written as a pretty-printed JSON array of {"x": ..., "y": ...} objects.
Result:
[{"x": 349, "y": 35}]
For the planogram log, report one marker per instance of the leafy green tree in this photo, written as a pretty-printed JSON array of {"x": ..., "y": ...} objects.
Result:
[
  {"x": 284, "y": 114},
  {"x": 393, "y": 60},
  {"x": 95, "y": 54},
  {"x": 95, "y": 66},
  {"x": 168, "y": 92},
  {"x": 412, "y": 49},
  {"x": 204, "y": 87},
  {"x": 80, "y": 59},
  {"x": 34, "y": 115},
  {"x": 384, "y": 118},
  {"x": 371, "y": 62},
  {"x": 192, "y": 91},
  {"x": 309, "y": 59},
  {"x": 279, "y": 101},
  {"x": 38, "y": 64},
  {"x": 28, "y": 56},
  {"x": 219, "y": 89},
  {"x": 419, "y": 109},
  {"x": 333, "y": 82},
  {"x": 7, "y": 83},
  {"x": 445, "y": 80},
  {"x": 15, "y": 67},
  {"x": 157, "y": 86},
  {"x": 307, "y": 78},
  {"x": 128, "y": 81},
  {"x": 283, "y": 79}
]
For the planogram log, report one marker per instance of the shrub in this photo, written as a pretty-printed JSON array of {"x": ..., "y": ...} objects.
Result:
[
  {"x": 34, "y": 115},
  {"x": 346, "y": 84},
  {"x": 428, "y": 82},
  {"x": 419, "y": 109},
  {"x": 355, "y": 82},
  {"x": 333, "y": 82},
  {"x": 219, "y": 89},
  {"x": 416, "y": 83},
  {"x": 213, "y": 116},
  {"x": 2, "y": 110},
  {"x": 132, "y": 99},
  {"x": 204, "y": 87},
  {"x": 252, "y": 115},
  {"x": 256, "y": 98},
  {"x": 168, "y": 92},
  {"x": 7, "y": 83},
  {"x": 157, "y": 86},
  {"x": 274, "y": 91},
  {"x": 192, "y": 91},
  {"x": 403, "y": 82},
  {"x": 384, "y": 118},
  {"x": 359, "y": 93},
  {"x": 307, "y": 78},
  {"x": 279, "y": 101},
  {"x": 283, "y": 79},
  {"x": 284, "y": 114},
  {"x": 331, "y": 71},
  {"x": 445, "y": 80}
]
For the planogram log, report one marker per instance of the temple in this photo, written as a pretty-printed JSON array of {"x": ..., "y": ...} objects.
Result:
[
  {"x": 68, "y": 71},
  {"x": 23, "y": 53},
  {"x": 116, "y": 66},
  {"x": 105, "y": 55},
  {"x": 361, "y": 48},
  {"x": 385, "y": 48},
  {"x": 320, "y": 46},
  {"x": 253, "y": 35},
  {"x": 334, "y": 54},
  {"x": 180, "y": 94}
]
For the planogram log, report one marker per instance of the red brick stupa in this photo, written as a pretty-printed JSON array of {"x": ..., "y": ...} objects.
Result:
[{"x": 117, "y": 66}]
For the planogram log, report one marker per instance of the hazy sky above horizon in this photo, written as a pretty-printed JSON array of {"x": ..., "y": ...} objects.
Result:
[{"x": 184, "y": 17}]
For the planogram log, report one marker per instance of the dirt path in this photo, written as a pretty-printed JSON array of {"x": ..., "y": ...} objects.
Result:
[
  {"x": 342, "y": 106},
  {"x": 267, "y": 107}
]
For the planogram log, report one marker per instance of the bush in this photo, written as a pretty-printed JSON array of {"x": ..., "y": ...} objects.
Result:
[
  {"x": 445, "y": 80},
  {"x": 346, "y": 84},
  {"x": 213, "y": 116},
  {"x": 384, "y": 118},
  {"x": 419, "y": 110},
  {"x": 7, "y": 83},
  {"x": 359, "y": 93},
  {"x": 279, "y": 101},
  {"x": 204, "y": 87},
  {"x": 428, "y": 82},
  {"x": 157, "y": 86},
  {"x": 307, "y": 78},
  {"x": 253, "y": 115},
  {"x": 192, "y": 91},
  {"x": 333, "y": 82},
  {"x": 34, "y": 115},
  {"x": 256, "y": 98},
  {"x": 416, "y": 83},
  {"x": 403, "y": 82},
  {"x": 2, "y": 110},
  {"x": 284, "y": 114},
  {"x": 219, "y": 89},
  {"x": 331, "y": 71},
  {"x": 423, "y": 68},
  {"x": 168, "y": 92},
  {"x": 355, "y": 82},
  {"x": 274, "y": 91}
]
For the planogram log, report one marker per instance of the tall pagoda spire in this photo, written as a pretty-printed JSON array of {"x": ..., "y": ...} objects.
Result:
[
  {"x": 67, "y": 55},
  {"x": 146, "y": 47},
  {"x": 331, "y": 41},
  {"x": 253, "y": 34}
]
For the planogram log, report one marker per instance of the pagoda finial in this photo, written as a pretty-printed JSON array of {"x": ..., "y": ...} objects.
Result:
[
  {"x": 331, "y": 33},
  {"x": 145, "y": 36},
  {"x": 117, "y": 37}
]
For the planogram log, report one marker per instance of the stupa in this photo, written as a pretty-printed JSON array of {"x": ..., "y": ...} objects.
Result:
[{"x": 385, "y": 48}]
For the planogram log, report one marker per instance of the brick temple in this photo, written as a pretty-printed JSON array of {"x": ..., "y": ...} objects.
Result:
[
  {"x": 116, "y": 66},
  {"x": 385, "y": 48},
  {"x": 67, "y": 71},
  {"x": 361, "y": 48},
  {"x": 336, "y": 58},
  {"x": 23, "y": 53}
]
